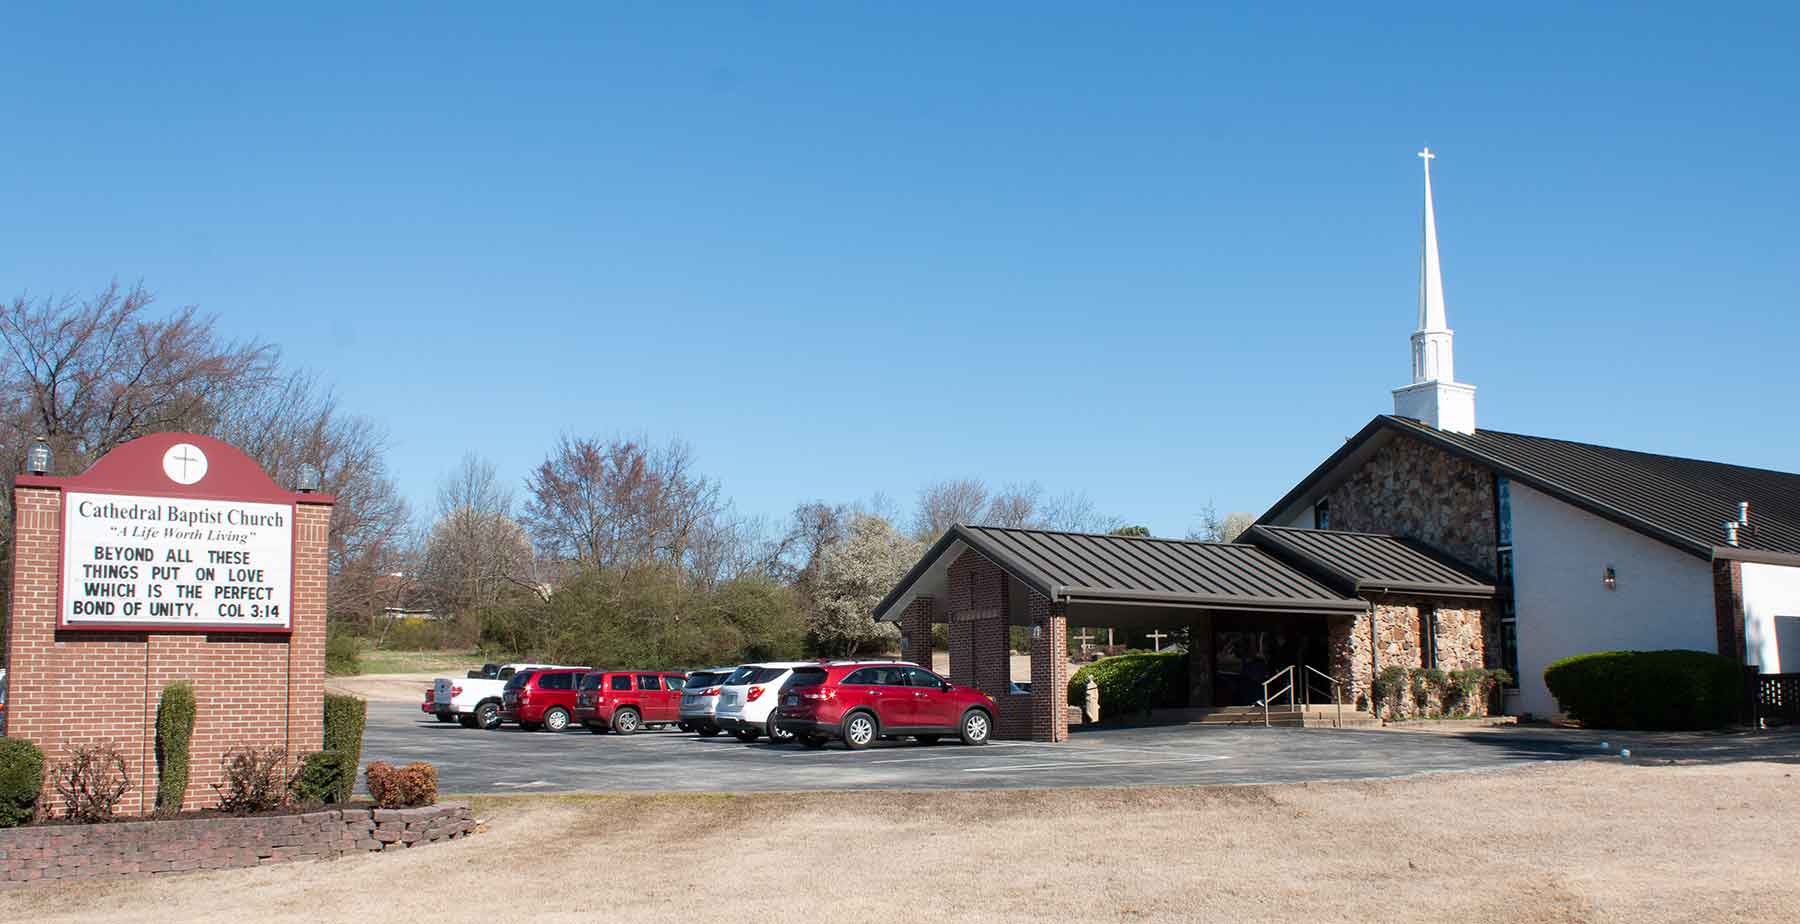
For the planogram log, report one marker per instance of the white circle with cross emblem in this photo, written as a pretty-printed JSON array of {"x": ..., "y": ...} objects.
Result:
[{"x": 184, "y": 463}]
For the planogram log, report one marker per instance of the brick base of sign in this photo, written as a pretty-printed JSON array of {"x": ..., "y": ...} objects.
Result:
[{"x": 146, "y": 848}]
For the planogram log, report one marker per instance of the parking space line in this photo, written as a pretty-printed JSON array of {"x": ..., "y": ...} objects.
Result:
[{"x": 1077, "y": 765}]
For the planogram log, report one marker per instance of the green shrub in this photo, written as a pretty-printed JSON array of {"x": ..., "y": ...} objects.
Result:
[
  {"x": 325, "y": 777},
  {"x": 1134, "y": 682},
  {"x": 342, "y": 651},
  {"x": 174, "y": 732},
  {"x": 1648, "y": 689},
  {"x": 1388, "y": 690},
  {"x": 344, "y": 720},
  {"x": 21, "y": 780}
]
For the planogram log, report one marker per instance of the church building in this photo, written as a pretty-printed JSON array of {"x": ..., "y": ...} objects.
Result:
[
  {"x": 1423, "y": 544},
  {"x": 1590, "y": 548}
]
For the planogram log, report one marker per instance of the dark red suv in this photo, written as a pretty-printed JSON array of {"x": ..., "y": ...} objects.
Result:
[
  {"x": 626, "y": 701},
  {"x": 860, "y": 702},
  {"x": 541, "y": 698}
]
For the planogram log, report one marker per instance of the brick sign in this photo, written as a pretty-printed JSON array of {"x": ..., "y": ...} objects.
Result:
[{"x": 132, "y": 562}]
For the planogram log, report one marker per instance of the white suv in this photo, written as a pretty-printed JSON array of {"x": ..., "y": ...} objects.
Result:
[
  {"x": 747, "y": 700},
  {"x": 700, "y": 697}
]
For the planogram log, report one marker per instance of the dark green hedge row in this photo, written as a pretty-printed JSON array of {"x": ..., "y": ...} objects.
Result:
[
  {"x": 21, "y": 779},
  {"x": 174, "y": 734},
  {"x": 1648, "y": 689},
  {"x": 344, "y": 720},
  {"x": 1134, "y": 682}
]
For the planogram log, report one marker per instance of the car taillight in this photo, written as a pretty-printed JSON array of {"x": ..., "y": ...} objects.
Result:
[
  {"x": 819, "y": 696},
  {"x": 524, "y": 694},
  {"x": 710, "y": 691},
  {"x": 456, "y": 691},
  {"x": 753, "y": 694}
]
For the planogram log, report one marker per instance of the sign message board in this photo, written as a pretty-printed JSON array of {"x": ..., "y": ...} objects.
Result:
[{"x": 133, "y": 562}]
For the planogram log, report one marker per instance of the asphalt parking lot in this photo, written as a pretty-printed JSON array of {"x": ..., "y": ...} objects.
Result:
[{"x": 508, "y": 760}]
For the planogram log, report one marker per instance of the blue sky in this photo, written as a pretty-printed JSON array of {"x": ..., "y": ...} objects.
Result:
[{"x": 1162, "y": 256}]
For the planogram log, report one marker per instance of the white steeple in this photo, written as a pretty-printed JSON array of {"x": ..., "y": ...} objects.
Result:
[{"x": 1434, "y": 397}]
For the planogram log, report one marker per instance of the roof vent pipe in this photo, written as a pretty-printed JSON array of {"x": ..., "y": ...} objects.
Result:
[
  {"x": 1743, "y": 513},
  {"x": 1731, "y": 532}
]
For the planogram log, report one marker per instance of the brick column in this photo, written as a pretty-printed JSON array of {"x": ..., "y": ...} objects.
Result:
[
  {"x": 1200, "y": 661},
  {"x": 306, "y": 647},
  {"x": 915, "y": 632},
  {"x": 1049, "y": 671},
  {"x": 1728, "y": 607}
]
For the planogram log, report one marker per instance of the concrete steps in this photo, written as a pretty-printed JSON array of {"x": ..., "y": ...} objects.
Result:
[{"x": 1252, "y": 716}]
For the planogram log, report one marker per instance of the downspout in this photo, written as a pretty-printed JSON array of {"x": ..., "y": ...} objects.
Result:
[{"x": 1374, "y": 659}]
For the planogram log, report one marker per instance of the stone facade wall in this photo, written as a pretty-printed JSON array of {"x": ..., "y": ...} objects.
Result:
[
  {"x": 145, "y": 848},
  {"x": 1413, "y": 489},
  {"x": 1467, "y": 638}
]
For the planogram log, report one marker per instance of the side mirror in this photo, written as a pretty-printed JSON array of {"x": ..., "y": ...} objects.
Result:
[{"x": 948, "y": 686}]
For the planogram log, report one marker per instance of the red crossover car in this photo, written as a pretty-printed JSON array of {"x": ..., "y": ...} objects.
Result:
[
  {"x": 860, "y": 702},
  {"x": 626, "y": 701},
  {"x": 541, "y": 698}
]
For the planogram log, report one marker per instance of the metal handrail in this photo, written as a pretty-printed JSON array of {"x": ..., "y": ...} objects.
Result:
[
  {"x": 1289, "y": 690},
  {"x": 1337, "y": 691}
]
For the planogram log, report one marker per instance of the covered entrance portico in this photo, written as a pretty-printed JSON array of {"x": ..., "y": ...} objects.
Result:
[{"x": 1249, "y": 608}]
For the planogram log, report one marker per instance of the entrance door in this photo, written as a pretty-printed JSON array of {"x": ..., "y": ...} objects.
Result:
[{"x": 1244, "y": 656}]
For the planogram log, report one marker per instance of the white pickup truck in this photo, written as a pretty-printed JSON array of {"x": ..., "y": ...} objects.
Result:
[{"x": 474, "y": 701}]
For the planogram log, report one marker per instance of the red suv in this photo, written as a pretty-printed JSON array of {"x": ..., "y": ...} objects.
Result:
[
  {"x": 626, "y": 701},
  {"x": 541, "y": 698},
  {"x": 860, "y": 702}
]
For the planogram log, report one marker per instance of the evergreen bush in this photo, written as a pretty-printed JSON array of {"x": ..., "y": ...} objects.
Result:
[
  {"x": 345, "y": 717},
  {"x": 325, "y": 777},
  {"x": 1648, "y": 689},
  {"x": 1134, "y": 682},
  {"x": 174, "y": 733},
  {"x": 21, "y": 780}
]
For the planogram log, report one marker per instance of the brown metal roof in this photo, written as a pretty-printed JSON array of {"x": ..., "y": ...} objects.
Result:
[
  {"x": 1084, "y": 567},
  {"x": 1362, "y": 563},
  {"x": 1681, "y": 502}
]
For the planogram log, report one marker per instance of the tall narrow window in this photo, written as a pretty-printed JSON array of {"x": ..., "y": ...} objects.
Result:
[
  {"x": 1503, "y": 580},
  {"x": 1428, "y": 633},
  {"x": 1322, "y": 514}
]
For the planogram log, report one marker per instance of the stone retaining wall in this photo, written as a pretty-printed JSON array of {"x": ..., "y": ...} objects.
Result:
[{"x": 145, "y": 848}]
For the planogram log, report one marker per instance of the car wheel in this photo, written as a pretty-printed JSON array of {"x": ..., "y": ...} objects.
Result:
[
  {"x": 466, "y": 721},
  {"x": 813, "y": 741},
  {"x": 710, "y": 731},
  {"x": 627, "y": 721},
  {"x": 596, "y": 729},
  {"x": 684, "y": 726},
  {"x": 556, "y": 719},
  {"x": 928, "y": 739},
  {"x": 776, "y": 735},
  {"x": 860, "y": 731},
  {"x": 746, "y": 735},
  {"x": 976, "y": 727},
  {"x": 487, "y": 715}
]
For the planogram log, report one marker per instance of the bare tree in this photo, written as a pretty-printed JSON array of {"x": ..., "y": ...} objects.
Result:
[
  {"x": 1212, "y": 528},
  {"x": 475, "y": 549},
  {"x": 946, "y": 503},
  {"x": 1075, "y": 512},
  {"x": 619, "y": 502},
  {"x": 90, "y": 374}
]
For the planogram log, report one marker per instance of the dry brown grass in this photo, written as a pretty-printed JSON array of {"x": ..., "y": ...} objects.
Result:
[{"x": 1576, "y": 842}]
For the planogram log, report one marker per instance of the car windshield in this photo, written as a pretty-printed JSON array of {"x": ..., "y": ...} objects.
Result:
[
  {"x": 764, "y": 675},
  {"x": 505, "y": 673},
  {"x": 704, "y": 678},
  {"x": 518, "y": 680},
  {"x": 739, "y": 676}
]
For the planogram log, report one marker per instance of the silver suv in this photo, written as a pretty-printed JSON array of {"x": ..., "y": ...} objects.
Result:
[{"x": 700, "y": 698}]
